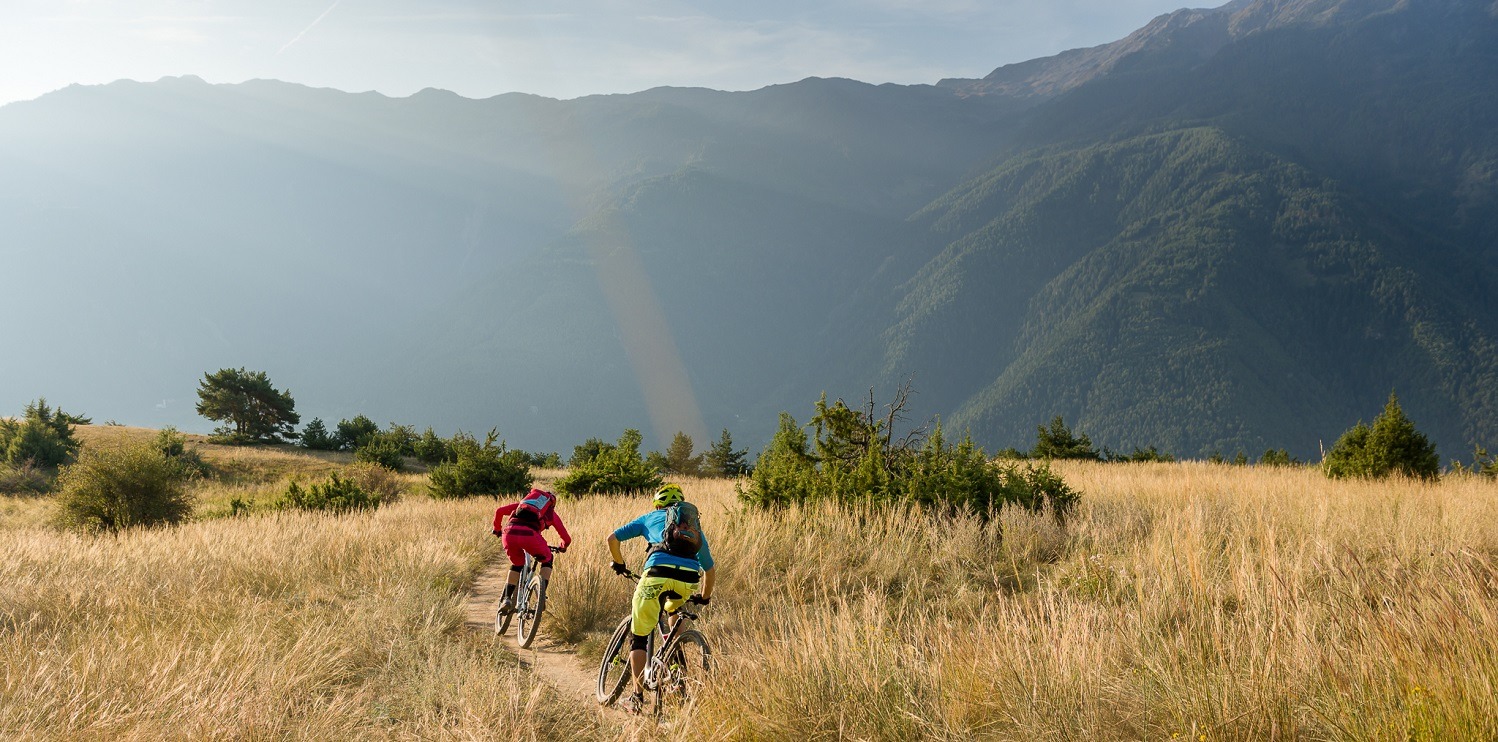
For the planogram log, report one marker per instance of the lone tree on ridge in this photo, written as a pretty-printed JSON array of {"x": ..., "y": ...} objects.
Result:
[{"x": 252, "y": 410}]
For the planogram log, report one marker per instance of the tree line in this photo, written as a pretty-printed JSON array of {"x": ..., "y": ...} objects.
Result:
[{"x": 843, "y": 455}]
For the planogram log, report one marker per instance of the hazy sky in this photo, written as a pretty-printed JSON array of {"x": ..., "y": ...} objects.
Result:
[{"x": 563, "y": 48}]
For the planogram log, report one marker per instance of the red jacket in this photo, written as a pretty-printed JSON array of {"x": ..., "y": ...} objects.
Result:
[{"x": 550, "y": 520}]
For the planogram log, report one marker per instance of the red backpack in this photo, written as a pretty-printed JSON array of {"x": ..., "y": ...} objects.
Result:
[{"x": 535, "y": 510}]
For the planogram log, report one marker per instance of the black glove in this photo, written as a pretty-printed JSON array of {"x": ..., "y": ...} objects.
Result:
[
  {"x": 559, "y": 549},
  {"x": 497, "y": 533},
  {"x": 620, "y": 568},
  {"x": 699, "y": 600}
]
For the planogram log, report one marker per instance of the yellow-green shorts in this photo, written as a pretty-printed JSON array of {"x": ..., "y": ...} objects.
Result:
[{"x": 647, "y": 602}]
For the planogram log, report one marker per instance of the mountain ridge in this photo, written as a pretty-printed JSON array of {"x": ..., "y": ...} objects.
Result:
[{"x": 1235, "y": 229}]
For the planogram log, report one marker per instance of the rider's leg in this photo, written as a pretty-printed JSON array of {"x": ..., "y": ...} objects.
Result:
[
  {"x": 514, "y": 543},
  {"x": 507, "y": 601},
  {"x": 637, "y": 662},
  {"x": 545, "y": 580}
]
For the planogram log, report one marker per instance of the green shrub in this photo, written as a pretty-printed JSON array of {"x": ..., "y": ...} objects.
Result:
[
  {"x": 487, "y": 469},
  {"x": 355, "y": 433},
  {"x": 657, "y": 461},
  {"x": 431, "y": 449},
  {"x": 1278, "y": 457},
  {"x": 1138, "y": 455},
  {"x": 26, "y": 479},
  {"x": 588, "y": 451},
  {"x": 1058, "y": 442},
  {"x": 551, "y": 460},
  {"x": 173, "y": 445},
  {"x": 616, "y": 469},
  {"x": 377, "y": 480},
  {"x": 1238, "y": 459},
  {"x": 42, "y": 437},
  {"x": 336, "y": 495},
  {"x": 316, "y": 437},
  {"x": 1483, "y": 464},
  {"x": 110, "y": 489},
  {"x": 1390, "y": 446},
  {"x": 383, "y": 449},
  {"x": 853, "y": 457},
  {"x": 785, "y": 470}
]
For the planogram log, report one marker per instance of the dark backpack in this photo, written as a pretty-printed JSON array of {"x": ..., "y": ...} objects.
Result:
[
  {"x": 534, "y": 509},
  {"x": 683, "y": 537}
]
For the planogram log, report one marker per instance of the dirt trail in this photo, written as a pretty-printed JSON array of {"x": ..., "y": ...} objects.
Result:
[{"x": 554, "y": 663}]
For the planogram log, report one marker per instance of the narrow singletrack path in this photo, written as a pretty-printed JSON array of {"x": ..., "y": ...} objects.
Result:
[{"x": 556, "y": 664}]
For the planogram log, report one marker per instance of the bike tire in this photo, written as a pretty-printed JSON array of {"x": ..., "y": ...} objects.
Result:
[
  {"x": 530, "y": 618},
  {"x": 501, "y": 622},
  {"x": 613, "y": 669},
  {"x": 686, "y": 664}
]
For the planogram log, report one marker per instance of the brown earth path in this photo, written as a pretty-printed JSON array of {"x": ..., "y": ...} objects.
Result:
[{"x": 554, "y": 663}]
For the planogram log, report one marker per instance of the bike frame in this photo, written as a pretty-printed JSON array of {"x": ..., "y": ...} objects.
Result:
[
  {"x": 522, "y": 594},
  {"x": 656, "y": 662}
]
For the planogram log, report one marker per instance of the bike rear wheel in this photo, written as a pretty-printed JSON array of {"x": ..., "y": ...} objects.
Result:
[
  {"x": 682, "y": 671},
  {"x": 613, "y": 669},
  {"x": 530, "y": 618}
]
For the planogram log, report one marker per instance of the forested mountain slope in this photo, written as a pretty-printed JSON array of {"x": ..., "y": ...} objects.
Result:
[{"x": 1238, "y": 228}]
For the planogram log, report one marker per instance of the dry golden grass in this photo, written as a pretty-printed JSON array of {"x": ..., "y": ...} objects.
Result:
[
  {"x": 1186, "y": 600},
  {"x": 289, "y": 625},
  {"x": 255, "y": 476},
  {"x": 1182, "y": 601}
]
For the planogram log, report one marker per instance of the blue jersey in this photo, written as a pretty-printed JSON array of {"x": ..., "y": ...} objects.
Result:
[{"x": 652, "y": 526}]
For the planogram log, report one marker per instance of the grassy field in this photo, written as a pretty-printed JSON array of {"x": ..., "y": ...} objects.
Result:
[{"x": 1181, "y": 601}]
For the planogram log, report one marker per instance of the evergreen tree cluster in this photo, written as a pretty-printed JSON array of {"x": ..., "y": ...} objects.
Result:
[
  {"x": 852, "y": 456},
  {"x": 42, "y": 437},
  {"x": 614, "y": 469},
  {"x": 472, "y": 469},
  {"x": 1390, "y": 446}
]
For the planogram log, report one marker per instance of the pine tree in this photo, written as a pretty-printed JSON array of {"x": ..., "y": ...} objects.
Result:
[
  {"x": 43, "y": 436},
  {"x": 1058, "y": 442},
  {"x": 722, "y": 460},
  {"x": 679, "y": 458},
  {"x": 252, "y": 409},
  {"x": 315, "y": 436},
  {"x": 1390, "y": 446},
  {"x": 356, "y": 433}
]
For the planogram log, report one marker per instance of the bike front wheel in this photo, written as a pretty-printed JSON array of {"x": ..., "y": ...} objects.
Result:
[
  {"x": 530, "y": 616},
  {"x": 613, "y": 669},
  {"x": 501, "y": 621}
]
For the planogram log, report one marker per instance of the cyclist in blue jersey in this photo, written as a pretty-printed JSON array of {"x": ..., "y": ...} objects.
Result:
[{"x": 678, "y": 559}]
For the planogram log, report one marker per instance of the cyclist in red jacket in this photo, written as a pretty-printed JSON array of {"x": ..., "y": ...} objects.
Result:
[{"x": 520, "y": 525}]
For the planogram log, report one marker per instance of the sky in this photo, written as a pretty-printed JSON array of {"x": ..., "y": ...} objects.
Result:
[{"x": 560, "y": 49}]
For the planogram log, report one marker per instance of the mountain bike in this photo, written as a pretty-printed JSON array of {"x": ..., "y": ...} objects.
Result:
[
  {"x": 528, "y": 595},
  {"x": 677, "y": 662}
]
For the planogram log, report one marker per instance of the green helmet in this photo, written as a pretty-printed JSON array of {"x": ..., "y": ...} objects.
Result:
[{"x": 668, "y": 494}]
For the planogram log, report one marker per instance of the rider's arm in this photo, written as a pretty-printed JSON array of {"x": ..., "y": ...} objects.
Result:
[
  {"x": 499, "y": 515},
  {"x": 707, "y": 582},
  {"x": 632, "y": 529},
  {"x": 556, "y": 522}
]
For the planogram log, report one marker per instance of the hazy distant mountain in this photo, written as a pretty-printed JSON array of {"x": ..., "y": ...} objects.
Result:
[{"x": 1237, "y": 228}]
